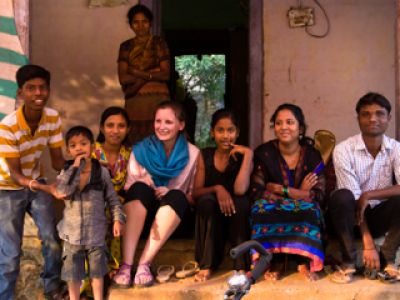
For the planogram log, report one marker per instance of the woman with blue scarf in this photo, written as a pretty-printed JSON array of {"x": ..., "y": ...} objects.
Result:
[{"x": 160, "y": 178}]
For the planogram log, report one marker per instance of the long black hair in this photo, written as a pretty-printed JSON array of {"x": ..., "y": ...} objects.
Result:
[
  {"x": 108, "y": 112},
  {"x": 224, "y": 113},
  {"x": 298, "y": 114}
]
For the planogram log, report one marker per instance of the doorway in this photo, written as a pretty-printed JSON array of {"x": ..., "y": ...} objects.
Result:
[{"x": 205, "y": 29}]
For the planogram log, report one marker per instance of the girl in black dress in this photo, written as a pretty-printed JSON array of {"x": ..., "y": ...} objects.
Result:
[{"x": 222, "y": 208}]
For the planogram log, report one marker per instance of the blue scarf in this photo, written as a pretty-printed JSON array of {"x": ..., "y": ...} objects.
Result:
[{"x": 150, "y": 154}]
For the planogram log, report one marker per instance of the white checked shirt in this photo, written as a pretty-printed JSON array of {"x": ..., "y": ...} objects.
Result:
[{"x": 358, "y": 171}]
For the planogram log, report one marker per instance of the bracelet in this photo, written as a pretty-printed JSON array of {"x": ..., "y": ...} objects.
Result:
[
  {"x": 369, "y": 249},
  {"x": 150, "y": 76},
  {"x": 285, "y": 191},
  {"x": 30, "y": 185}
]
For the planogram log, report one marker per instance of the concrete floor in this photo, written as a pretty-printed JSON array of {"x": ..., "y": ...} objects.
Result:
[{"x": 290, "y": 287}]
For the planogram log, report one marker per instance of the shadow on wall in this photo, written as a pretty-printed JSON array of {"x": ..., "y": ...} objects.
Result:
[{"x": 81, "y": 99}]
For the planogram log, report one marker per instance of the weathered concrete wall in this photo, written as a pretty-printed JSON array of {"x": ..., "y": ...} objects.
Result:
[
  {"x": 327, "y": 76},
  {"x": 79, "y": 45}
]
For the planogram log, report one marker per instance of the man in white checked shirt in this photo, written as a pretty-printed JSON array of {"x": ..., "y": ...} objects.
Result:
[
  {"x": 367, "y": 168},
  {"x": 24, "y": 134}
]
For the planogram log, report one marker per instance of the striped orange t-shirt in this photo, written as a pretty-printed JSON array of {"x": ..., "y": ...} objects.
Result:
[{"x": 16, "y": 140}]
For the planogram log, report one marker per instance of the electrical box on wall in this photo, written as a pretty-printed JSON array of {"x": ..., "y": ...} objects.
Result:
[{"x": 301, "y": 16}]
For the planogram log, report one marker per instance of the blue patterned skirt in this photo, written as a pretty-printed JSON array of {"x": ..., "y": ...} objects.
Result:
[{"x": 284, "y": 225}]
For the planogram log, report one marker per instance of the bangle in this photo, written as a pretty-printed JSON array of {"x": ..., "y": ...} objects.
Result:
[
  {"x": 369, "y": 248},
  {"x": 150, "y": 76},
  {"x": 30, "y": 185},
  {"x": 285, "y": 191}
]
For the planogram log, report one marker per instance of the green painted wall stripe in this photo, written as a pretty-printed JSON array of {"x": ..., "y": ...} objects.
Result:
[
  {"x": 12, "y": 57},
  {"x": 2, "y": 116},
  {"x": 8, "y": 88},
  {"x": 7, "y": 25}
]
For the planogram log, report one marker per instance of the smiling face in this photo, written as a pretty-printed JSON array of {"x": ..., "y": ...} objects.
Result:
[
  {"x": 79, "y": 144},
  {"x": 35, "y": 93},
  {"x": 224, "y": 133},
  {"x": 373, "y": 120},
  {"x": 140, "y": 25},
  {"x": 166, "y": 125},
  {"x": 286, "y": 127},
  {"x": 114, "y": 130}
]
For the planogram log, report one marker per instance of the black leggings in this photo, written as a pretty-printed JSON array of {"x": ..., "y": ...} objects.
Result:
[
  {"x": 213, "y": 229},
  {"x": 176, "y": 199},
  {"x": 145, "y": 194}
]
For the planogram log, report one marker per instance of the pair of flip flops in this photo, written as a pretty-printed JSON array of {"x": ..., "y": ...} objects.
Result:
[{"x": 164, "y": 272}]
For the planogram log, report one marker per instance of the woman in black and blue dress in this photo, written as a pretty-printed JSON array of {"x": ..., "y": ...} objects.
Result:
[{"x": 286, "y": 187}]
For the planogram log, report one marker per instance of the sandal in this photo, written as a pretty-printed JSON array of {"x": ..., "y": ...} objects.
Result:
[
  {"x": 308, "y": 275},
  {"x": 143, "y": 272},
  {"x": 389, "y": 275},
  {"x": 164, "y": 273},
  {"x": 343, "y": 274},
  {"x": 123, "y": 278},
  {"x": 189, "y": 269}
]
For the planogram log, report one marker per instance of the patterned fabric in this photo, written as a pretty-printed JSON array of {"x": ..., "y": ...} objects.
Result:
[
  {"x": 16, "y": 140},
  {"x": 358, "y": 171},
  {"x": 11, "y": 57},
  {"x": 118, "y": 170},
  {"x": 285, "y": 225},
  {"x": 145, "y": 55}
]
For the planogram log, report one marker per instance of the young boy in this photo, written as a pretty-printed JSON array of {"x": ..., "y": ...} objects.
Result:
[{"x": 87, "y": 188}]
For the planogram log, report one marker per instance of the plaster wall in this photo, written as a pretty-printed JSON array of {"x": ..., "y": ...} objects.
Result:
[
  {"x": 327, "y": 76},
  {"x": 79, "y": 45}
]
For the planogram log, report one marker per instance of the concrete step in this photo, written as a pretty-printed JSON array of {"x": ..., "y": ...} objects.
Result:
[
  {"x": 292, "y": 286},
  {"x": 177, "y": 252}
]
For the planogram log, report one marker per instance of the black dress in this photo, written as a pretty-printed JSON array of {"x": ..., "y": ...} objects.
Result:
[
  {"x": 213, "y": 228},
  {"x": 283, "y": 224}
]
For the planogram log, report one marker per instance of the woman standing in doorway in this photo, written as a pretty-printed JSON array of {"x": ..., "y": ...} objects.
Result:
[{"x": 143, "y": 71}]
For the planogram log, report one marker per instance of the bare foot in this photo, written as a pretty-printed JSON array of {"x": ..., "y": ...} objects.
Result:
[
  {"x": 307, "y": 274},
  {"x": 274, "y": 273},
  {"x": 203, "y": 275}
]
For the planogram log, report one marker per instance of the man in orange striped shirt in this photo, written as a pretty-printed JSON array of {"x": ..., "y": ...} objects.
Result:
[{"x": 24, "y": 134}]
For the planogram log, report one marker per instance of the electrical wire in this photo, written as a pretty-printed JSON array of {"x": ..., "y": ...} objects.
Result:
[{"x": 328, "y": 23}]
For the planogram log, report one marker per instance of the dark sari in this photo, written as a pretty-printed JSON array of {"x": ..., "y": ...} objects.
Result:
[
  {"x": 143, "y": 96},
  {"x": 286, "y": 225}
]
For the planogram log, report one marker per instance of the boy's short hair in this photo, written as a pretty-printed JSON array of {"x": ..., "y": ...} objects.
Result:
[
  {"x": 373, "y": 98},
  {"x": 29, "y": 72},
  {"x": 79, "y": 130}
]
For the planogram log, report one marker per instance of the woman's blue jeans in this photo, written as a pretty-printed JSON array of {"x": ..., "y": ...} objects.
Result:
[{"x": 13, "y": 206}]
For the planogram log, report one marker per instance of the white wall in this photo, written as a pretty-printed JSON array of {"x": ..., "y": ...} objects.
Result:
[{"x": 326, "y": 77}]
